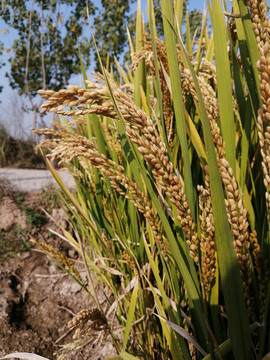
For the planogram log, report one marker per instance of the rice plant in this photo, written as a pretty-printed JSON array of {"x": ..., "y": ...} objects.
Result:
[{"x": 172, "y": 165}]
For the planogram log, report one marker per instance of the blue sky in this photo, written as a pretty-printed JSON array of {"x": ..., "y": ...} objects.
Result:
[{"x": 9, "y": 99}]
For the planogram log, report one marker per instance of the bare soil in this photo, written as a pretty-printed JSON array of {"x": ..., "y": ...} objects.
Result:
[{"x": 36, "y": 298}]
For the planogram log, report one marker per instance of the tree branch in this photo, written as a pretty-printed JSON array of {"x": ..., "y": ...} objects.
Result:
[
  {"x": 28, "y": 56},
  {"x": 41, "y": 46}
]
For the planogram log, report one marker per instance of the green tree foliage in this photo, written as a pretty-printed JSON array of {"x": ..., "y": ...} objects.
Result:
[
  {"x": 110, "y": 26},
  {"x": 1, "y": 61},
  {"x": 195, "y": 20},
  {"x": 45, "y": 52}
]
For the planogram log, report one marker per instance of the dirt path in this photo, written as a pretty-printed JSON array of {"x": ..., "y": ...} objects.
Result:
[
  {"x": 37, "y": 299},
  {"x": 32, "y": 180}
]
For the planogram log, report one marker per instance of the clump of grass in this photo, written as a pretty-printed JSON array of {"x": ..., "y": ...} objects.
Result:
[
  {"x": 15, "y": 239},
  {"x": 19, "y": 199},
  {"x": 172, "y": 203},
  {"x": 18, "y": 153},
  {"x": 35, "y": 218},
  {"x": 50, "y": 198},
  {"x": 5, "y": 188},
  {"x": 13, "y": 242}
]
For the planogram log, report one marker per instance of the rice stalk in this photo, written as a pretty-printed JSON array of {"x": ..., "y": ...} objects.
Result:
[{"x": 144, "y": 223}]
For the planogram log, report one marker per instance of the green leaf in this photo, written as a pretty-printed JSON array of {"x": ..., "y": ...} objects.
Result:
[
  {"x": 178, "y": 105},
  {"x": 183, "y": 333},
  {"x": 188, "y": 39},
  {"x": 158, "y": 86},
  {"x": 249, "y": 53},
  {"x": 251, "y": 44},
  {"x": 179, "y": 11},
  {"x": 224, "y": 84},
  {"x": 126, "y": 356},
  {"x": 139, "y": 76},
  {"x": 131, "y": 314},
  {"x": 178, "y": 353},
  {"x": 228, "y": 266},
  {"x": 226, "y": 347}
]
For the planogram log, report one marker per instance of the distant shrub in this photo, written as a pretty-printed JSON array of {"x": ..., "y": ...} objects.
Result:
[{"x": 18, "y": 153}]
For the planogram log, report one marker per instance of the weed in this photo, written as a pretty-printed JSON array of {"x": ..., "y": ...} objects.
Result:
[
  {"x": 50, "y": 198},
  {"x": 5, "y": 188},
  {"x": 35, "y": 217},
  {"x": 18, "y": 153},
  {"x": 13, "y": 241},
  {"x": 19, "y": 199}
]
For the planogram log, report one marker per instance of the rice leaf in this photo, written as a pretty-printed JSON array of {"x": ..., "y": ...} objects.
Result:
[
  {"x": 224, "y": 87},
  {"x": 229, "y": 270},
  {"x": 178, "y": 105},
  {"x": 126, "y": 356},
  {"x": 188, "y": 38},
  {"x": 130, "y": 316},
  {"x": 179, "y": 11},
  {"x": 122, "y": 72},
  {"x": 249, "y": 54},
  {"x": 252, "y": 46},
  {"x": 139, "y": 78},
  {"x": 226, "y": 347},
  {"x": 165, "y": 300},
  {"x": 183, "y": 333},
  {"x": 210, "y": 49},
  {"x": 158, "y": 86}
]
